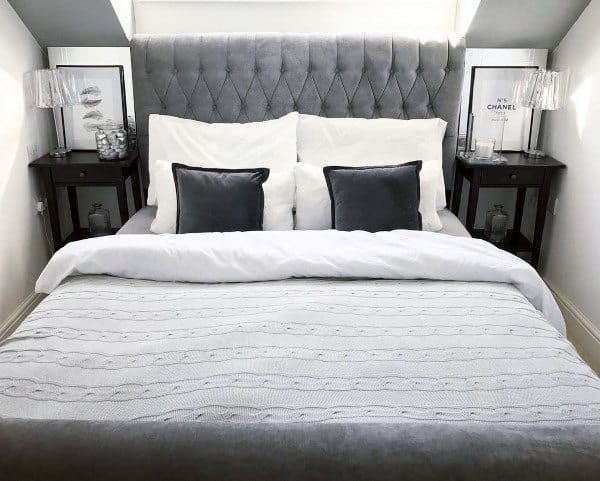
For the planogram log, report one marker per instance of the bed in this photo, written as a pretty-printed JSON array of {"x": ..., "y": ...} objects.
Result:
[{"x": 287, "y": 355}]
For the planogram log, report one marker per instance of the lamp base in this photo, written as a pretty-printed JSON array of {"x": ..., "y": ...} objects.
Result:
[
  {"x": 535, "y": 153},
  {"x": 59, "y": 152}
]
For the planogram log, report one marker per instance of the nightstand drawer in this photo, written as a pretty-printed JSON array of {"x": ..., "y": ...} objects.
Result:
[
  {"x": 82, "y": 175},
  {"x": 512, "y": 176}
]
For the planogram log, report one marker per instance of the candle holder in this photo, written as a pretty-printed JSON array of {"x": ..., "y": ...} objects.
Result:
[{"x": 484, "y": 148}]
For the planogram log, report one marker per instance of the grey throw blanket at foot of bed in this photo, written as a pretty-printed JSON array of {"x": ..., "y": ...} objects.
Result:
[{"x": 99, "y": 451}]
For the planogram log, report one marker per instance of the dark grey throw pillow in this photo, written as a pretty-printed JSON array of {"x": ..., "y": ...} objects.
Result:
[
  {"x": 375, "y": 198},
  {"x": 219, "y": 200}
]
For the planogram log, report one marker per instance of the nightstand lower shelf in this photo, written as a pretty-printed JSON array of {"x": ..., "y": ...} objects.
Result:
[
  {"x": 82, "y": 234},
  {"x": 520, "y": 244}
]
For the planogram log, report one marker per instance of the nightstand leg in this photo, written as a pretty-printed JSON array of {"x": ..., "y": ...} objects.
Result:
[
  {"x": 52, "y": 208},
  {"x": 122, "y": 200},
  {"x": 74, "y": 207},
  {"x": 540, "y": 219},
  {"x": 519, "y": 206},
  {"x": 472, "y": 205},
  {"x": 136, "y": 188},
  {"x": 457, "y": 191}
]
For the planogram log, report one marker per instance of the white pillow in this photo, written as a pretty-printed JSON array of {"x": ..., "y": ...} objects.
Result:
[
  {"x": 278, "y": 194},
  {"x": 270, "y": 144},
  {"x": 313, "y": 206},
  {"x": 362, "y": 142}
]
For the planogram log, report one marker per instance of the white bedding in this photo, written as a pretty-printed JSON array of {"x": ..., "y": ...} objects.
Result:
[
  {"x": 274, "y": 255},
  {"x": 295, "y": 350}
]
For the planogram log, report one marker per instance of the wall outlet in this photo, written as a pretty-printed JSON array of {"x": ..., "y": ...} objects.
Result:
[
  {"x": 554, "y": 206},
  {"x": 41, "y": 206}
]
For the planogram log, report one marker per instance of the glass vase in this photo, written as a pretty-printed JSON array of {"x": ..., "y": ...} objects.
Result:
[
  {"x": 496, "y": 224},
  {"x": 111, "y": 141},
  {"x": 99, "y": 221}
]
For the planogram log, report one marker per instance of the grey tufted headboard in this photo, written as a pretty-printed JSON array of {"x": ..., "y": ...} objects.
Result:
[{"x": 252, "y": 77}]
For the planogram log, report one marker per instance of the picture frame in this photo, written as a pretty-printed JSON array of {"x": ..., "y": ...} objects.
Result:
[
  {"x": 491, "y": 111},
  {"x": 102, "y": 88}
]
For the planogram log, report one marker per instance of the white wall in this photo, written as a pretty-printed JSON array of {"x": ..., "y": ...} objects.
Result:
[
  {"x": 23, "y": 248},
  {"x": 165, "y": 16},
  {"x": 571, "y": 251}
]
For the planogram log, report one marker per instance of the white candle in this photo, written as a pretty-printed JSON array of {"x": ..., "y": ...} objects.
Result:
[{"x": 484, "y": 148}]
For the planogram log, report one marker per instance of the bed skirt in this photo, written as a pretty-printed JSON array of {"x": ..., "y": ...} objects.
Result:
[{"x": 76, "y": 450}]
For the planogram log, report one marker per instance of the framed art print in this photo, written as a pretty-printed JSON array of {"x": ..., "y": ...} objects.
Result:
[
  {"x": 102, "y": 92},
  {"x": 495, "y": 115}
]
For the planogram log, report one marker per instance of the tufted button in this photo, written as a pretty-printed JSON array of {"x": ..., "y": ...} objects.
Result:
[
  {"x": 242, "y": 106},
  {"x": 282, "y": 70},
  {"x": 337, "y": 70},
  {"x": 446, "y": 69},
  {"x": 255, "y": 69},
  {"x": 418, "y": 70},
  {"x": 200, "y": 71},
  {"x": 268, "y": 106},
  {"x": 295, "y": 105},
  {"x": 214, "y": 106},
  {"x": 228, "y": 70}
]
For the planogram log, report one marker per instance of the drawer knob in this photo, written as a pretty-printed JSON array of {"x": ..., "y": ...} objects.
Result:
[
  {"x": 513, "y": 176},
  {"x": 82, "y": 174}
]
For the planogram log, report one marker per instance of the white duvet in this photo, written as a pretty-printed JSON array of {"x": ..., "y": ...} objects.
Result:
[
  {"x": 446, "y": 330},
  {"x": 264, "y": 256}
]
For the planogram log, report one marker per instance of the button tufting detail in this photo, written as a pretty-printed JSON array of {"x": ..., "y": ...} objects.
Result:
[{"x": 376, "y": 76}]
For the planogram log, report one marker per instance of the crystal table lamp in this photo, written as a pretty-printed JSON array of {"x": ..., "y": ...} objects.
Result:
[
  {"x": 55, "y": 89},
  {"x": 540, "y": 90}
]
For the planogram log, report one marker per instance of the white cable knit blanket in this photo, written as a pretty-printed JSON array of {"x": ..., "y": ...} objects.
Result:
[{"x": 295, "y": 350}]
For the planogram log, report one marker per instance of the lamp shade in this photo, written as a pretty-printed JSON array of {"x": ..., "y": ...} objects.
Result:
[
  {"x": 54, "y": 88},
  {"x": 540, "y": 89}
]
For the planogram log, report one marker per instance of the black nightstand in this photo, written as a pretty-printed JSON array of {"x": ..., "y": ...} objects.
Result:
[
  {"x": 83, "y": 168},
  {"x": 520, "y": 172}
]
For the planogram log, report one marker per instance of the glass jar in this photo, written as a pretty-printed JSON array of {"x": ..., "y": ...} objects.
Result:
[
  {"x": 111, "y": 141},
  {"x": 131, "y": 133},
  {"x": 496, "y": 224},
  {"x": 99, "y": 221}
]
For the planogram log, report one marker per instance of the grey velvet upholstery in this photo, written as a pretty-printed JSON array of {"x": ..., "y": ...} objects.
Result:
[
  {"x": 254, "y": 77},
  {"x": 102, "y": 451}
]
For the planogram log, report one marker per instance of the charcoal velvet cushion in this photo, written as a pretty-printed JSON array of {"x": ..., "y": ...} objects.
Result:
[
  {"x": 374, "y": 199},
  {"x": 219, "y": 200}
]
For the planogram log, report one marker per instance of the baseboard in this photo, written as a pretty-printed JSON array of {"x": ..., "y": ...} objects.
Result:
[
  {"x": 584, "y": 335},
  {"x": 8, "y": 326}
]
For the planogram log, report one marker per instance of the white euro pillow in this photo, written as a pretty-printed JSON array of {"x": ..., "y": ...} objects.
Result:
[
  {"x": 278, "y": 197},
  {"x": 313, "y": 204},
  {"x": 270, "y": 144},
  {"x": 357, "y": 142}
]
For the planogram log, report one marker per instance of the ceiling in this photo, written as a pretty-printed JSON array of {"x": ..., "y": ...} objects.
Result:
[
  {"x": 72, "y": 23},
  {"x": 523, "y": 23},
  {"x": 495, "y": 23}
]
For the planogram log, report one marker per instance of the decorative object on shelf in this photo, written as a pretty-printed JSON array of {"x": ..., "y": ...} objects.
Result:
[
  {"x": 54, "y": 89},
  {"x": 540, "y": 90},
  {"x": 496, "y": 224},
  {"x": 111, "y": 141},
  {"x": 99, "y": 221},
  {"x": 102, "y": 92},
  {"x": 131, "y": 133},
  {"x": 484, "y": 148},
  {"x": 492, "y": 112}
]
